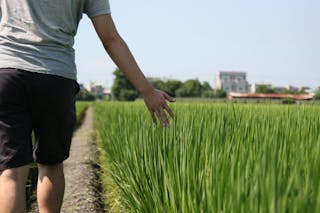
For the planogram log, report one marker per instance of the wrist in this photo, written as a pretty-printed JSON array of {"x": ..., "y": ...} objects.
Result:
[{"x": 146, "y": 90}]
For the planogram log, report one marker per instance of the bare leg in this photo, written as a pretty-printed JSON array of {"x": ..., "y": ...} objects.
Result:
[
  {"x": 50, "y": 188},
  {"x": 13, "y": 190}
]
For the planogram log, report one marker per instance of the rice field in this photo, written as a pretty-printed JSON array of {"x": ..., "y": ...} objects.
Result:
[{"x": 213, "y": 158}]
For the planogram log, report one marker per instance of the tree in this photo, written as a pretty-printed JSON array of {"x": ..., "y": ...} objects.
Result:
[
  {"x": 171, "y": 86},
  {"x": 317, "y": 96},
  {"x": 127, "y": 95},
  {"x": 158, "y": 84},
  {"x": 207, "y": 91},
  {"x": 122, "y": 89},
  {"x": 85, "y": 95},
  {"x": 190, "y": 88},
  {"x": 220, "y": 93},
  {"x": 288, "y": 101},
  {"x": 182, "y": 92},
  {"x": 206, "y": 86},
  {"x": 208, "y": 94},
  {"x": 264, "y": 89}
]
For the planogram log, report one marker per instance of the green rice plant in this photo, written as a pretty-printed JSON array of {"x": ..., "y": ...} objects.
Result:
[
  {"x": 213, "y": 158},
  {"x": 81, "y": 107}
]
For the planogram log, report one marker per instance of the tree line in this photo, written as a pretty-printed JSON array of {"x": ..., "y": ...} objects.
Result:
[
  {"x": 268, "y": 89},
  {"x": 123, "y": 90}
]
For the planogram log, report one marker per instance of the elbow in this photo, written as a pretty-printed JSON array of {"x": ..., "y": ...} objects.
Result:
[{"x": 111, "y": 39}]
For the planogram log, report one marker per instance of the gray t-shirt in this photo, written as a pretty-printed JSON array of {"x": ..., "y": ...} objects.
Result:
[{"x": 38, "y": 35}]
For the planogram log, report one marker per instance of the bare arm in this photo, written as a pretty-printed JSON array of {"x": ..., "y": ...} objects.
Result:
[{"x": 121, "y": 55}]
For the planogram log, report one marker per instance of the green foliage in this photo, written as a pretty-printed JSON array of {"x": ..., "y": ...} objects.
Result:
[
  {"x": 288, "y": 101},
  {"x": 85, "y": 95},
  {"x": 214, "y": 158},
  {"x": 81, "y": 107},
  {"x": 128, "y": 95},
  {"x": 169, "y": 86},
  {"x": 182, "y": 92},
  {"x": 214, "y": 94},
  {"x": 190, "y": 88},
  {"x": 172, "y": 86},
  {"x": 159, "y": 84},
  {"x": 264, "y": 89},
  {"x": 317, "y": 96},
  {"x": 208, "y": 94},
  {"x": 220, "y": 93},
  {"x": 292, "y": 91},
  {"x": 286, "y": 91},
  {"x": 206, "y": 86},
  {"x": 122, "y": 88}
]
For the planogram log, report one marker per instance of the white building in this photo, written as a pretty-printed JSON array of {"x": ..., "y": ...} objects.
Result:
[
  {"x": 232, "y": 82},
  {"x": 292, "y": 88},
  {"x": 108, "y": 94},
  {"x": 95, "y": 88}
]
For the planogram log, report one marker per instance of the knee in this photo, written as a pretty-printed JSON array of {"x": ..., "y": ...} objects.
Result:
[
  {"x": 17, "y": 175},
  {"x": 50, "y": 170}
]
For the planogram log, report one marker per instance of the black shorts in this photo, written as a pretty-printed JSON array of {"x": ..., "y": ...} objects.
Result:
[{"x": 42, "y": 103}]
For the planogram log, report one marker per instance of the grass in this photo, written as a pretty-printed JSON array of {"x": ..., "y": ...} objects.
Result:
[
  {"x": 214, "y": 158},
  {"x": 81, "y": 107}
]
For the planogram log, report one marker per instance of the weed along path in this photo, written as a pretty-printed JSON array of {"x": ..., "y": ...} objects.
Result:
[{"x": 81, "y": 193}]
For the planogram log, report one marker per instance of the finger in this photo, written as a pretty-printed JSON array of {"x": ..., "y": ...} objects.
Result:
[
  {"x": 154, "y": 119},
  {"x": 168, "y": 97},
  {"x": 168, "y": 109},
  {"x": 163, "y": 117}
]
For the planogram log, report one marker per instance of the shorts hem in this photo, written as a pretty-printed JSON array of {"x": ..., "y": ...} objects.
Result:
[
  {"x": 13, "y": 166},
  {"x": 43, "y": 162}
]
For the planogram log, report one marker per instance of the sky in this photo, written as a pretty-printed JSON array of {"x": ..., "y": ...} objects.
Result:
[{"x": 273, "y": 41}]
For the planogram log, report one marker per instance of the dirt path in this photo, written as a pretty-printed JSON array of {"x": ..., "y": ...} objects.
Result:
[{"x": 81, "y": 193}]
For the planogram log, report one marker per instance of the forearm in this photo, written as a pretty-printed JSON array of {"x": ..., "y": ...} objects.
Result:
[
  {"x": 119, "y": 52},
  {"x": 121, "y": 55}
]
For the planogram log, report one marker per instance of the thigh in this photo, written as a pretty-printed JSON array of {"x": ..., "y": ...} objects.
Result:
[
  {"x": 15, "y": 121},
  {"x": 53, "y": 116}
]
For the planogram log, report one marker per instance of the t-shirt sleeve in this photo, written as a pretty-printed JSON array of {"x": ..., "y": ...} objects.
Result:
[{"x": 97, "y": 7}]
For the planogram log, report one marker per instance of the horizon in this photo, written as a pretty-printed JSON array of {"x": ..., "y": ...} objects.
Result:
[
  {"x": 213, "y": 86},
  {"x": 273, "y": 42}
]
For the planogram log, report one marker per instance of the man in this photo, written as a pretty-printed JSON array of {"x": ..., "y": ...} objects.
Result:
[{"x": 38, "y": 87}]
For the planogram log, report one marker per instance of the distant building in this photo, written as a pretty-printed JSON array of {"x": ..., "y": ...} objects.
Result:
[
  {"x": 81, "y": 85},
  {"x": 108, "y": 94},
  {"x": 232, "y": 82},
  {"x": 96, "y": 89},
  {"x": 292, "y": 88},
  {"x": 305, "y": 89},
  {"x": 255, "y": 86}
]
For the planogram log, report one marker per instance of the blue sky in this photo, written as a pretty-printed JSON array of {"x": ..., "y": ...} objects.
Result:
[{"x": 274, "y": 41}]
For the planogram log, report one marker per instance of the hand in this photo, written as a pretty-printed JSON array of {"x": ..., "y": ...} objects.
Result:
[{"x": 157, "y": 105}]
